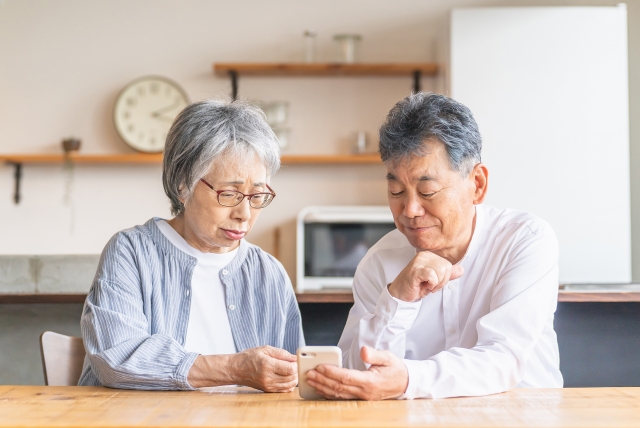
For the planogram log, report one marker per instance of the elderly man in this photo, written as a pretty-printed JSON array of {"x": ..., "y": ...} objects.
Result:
[{"x": 460, "y": 299}]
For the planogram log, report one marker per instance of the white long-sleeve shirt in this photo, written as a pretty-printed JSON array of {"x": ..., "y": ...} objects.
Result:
[{"x": 486, "y": 332}]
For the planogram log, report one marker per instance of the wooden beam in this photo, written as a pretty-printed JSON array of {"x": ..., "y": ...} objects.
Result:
[
  {"x": 325, "y": 69},
  {"x": 142, "y": 158},
  {"x": 42, "y": 298},
  {"x": 114, "y": 158}
]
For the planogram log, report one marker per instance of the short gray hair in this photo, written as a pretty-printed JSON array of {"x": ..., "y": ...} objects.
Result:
[
  {"x": 423, "y": 116},
  {"x": 205, "y": 131}
]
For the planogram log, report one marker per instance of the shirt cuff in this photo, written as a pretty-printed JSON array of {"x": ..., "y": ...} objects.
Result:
[
  {"x": 421, "y": 378},
  {"x": 396, "y": 312},
  {"x": 182, "y": 372}
]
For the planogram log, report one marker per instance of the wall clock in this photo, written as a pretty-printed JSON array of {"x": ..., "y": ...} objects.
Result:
[{"x": 145, "y": 110}]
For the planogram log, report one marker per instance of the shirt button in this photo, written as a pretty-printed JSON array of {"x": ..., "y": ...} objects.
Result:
[
  {"x": 231, "y": 307},
  {"x": 388, "y": 309},
  {"x": 452, "y": 330},
  {"x": 449, "y": 286},
  {"x": 187, "y": 293},
  {"x": 225, "y": 272}
]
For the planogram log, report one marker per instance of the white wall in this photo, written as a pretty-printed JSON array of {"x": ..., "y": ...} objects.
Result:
[
  {"x": 553, "y": 108},
  {"x": 62, "y": 63}
]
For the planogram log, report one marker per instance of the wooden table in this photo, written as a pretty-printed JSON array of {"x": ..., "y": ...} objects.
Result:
[{"x": 28, "y": 406}]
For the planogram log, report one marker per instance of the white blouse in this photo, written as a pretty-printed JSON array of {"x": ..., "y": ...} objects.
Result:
[{"x": 208, "y": 331}]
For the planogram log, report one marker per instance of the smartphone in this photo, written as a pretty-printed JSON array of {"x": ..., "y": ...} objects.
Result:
[{"x": 310, "y": 357}]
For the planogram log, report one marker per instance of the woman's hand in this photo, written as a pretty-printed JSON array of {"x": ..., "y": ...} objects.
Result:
[{"x": 267, "y": 368}]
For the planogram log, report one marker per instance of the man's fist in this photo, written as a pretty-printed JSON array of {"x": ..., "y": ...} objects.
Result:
[{"x": 426, "y": 273}]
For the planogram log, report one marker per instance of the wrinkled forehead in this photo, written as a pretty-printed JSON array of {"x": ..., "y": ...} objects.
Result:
[
  {"x": 429, "y": 165},
  {"x": 229, "y": 169}
]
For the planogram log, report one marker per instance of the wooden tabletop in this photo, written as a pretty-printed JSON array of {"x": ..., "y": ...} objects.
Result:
[{"x": 28, "y": 406}]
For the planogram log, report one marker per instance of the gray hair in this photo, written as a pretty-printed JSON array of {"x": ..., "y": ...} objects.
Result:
[
  {"x": 206, "y": 131},
  {"x": 423, "y": 116}
]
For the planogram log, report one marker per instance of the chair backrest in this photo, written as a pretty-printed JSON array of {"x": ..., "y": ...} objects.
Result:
[{"x": 62, "y": 358}]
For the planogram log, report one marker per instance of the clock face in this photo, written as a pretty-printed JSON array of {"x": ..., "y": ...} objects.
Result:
[{"x": 145, "y": 110}]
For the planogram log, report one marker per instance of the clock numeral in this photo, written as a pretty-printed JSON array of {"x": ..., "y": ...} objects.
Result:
[
  {"x": 126, "y": 114},
  {"x": 131, "y": 128},
  {"x": 141, "y": 91},
  {"x": 153, "y": 88},
  {"x": 131, "y": 101}
]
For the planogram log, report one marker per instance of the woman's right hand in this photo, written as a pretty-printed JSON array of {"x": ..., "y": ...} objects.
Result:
[{"x": 267, "y": 368}]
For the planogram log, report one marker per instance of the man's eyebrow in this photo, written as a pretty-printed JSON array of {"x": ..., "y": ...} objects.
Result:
[{"x": 423, "y": 178}]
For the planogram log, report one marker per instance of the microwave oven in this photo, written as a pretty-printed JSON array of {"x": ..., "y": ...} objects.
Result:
[{"x": 332, "y": 240}]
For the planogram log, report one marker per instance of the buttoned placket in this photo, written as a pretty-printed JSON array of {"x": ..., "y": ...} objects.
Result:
[
  {"x": 450, "y": 309},
  {"x": 230, "y": 305},
  {"x": 187, "y": 303}
]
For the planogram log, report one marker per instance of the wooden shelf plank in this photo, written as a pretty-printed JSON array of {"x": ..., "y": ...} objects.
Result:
[
  {"x": 42, "y": 298},
  {"x": 564, "y": 296},
  {"x": 324, "y": 296},
  {"x": 141, "y": 158},
  {"x": 345, "y": 296},
  {"x": 325, "y": 69},
  {"x": 115, "y": 158}
]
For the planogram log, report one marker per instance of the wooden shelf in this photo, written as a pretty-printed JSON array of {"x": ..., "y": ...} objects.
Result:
[
  {"x": 322, "y": 296},
  {"x": 565, "y": 296},
  {"x": 325, "y": 69},
  {"x": 141, "y": 158},
  {"x": 115, "y": 158},
  {"x": 42, "y": 298}
]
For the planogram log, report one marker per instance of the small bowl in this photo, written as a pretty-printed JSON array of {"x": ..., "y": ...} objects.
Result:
[{"x": 71, "y": 144}]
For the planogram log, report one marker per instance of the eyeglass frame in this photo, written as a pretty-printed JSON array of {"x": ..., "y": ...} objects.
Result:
[{"x": 218, "y": 192}]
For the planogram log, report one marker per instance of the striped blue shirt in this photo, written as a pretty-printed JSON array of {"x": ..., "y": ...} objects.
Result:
[{"x": 134, "y": 322}]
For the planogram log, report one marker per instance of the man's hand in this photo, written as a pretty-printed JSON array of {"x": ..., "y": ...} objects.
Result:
[
  {"x": 386, "y": 378},
  {"x": 267, "y": 368},
  {"x": 426, "y": 273}
]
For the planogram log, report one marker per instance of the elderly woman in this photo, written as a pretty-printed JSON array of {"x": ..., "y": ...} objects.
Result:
[{"x": 188, "y": 303}]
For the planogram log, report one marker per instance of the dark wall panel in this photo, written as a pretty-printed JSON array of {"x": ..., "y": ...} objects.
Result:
[{"x": 599, "y": 342}]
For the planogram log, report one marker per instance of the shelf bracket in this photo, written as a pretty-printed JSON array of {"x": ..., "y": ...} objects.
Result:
[
  {"x": 234, "y": 84},
  {"x": 416, "y": 81},
  {"x": 17, "y": 175}
]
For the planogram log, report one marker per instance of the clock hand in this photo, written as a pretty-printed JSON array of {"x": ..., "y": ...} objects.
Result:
[
  {"x": 159, "y": 112},
  {"x": 162, "y": 117}
]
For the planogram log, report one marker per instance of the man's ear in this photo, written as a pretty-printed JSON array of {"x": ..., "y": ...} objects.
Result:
[{"x": 480, "y": 177}]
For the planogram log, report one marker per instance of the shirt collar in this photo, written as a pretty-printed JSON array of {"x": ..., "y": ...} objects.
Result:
[{"x": 475, "y": 237}]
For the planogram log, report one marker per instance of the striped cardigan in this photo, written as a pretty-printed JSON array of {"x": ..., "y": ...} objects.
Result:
[{"x": 134, "y": 321}]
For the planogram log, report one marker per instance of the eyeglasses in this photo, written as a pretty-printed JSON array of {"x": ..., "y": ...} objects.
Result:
[{"x": 231, "y": 198}]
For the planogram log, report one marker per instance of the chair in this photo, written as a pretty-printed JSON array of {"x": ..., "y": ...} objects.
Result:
[{"x": 62, "y": 358}]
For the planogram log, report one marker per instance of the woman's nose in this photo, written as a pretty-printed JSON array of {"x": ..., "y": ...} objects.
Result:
[{"x": 242, "y": 211}]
